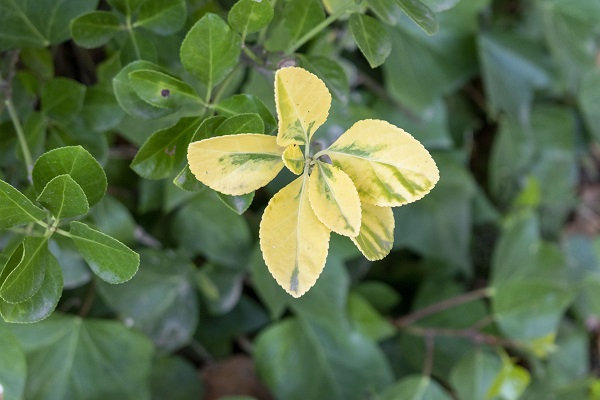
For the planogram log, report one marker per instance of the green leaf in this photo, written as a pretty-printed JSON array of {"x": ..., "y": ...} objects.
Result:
[
  {"x": 76, "y": 162},
  {"x": 126, "y": 7},
  {"x": 239, "y": 204},
  {"x": 299, "y": 17},
  {"x": 13, "y": 366},
  {"x": 39, "y": 62},
  {"x": 473, "y": 375},
  {"x": 64, "y": 197},
  {"x": 163, "y": 17},
  {"x": 510, "y": 382},
  {"x": 38, "y": 23},
  {"x": 62, "y": 98},
  {"x": 138, "y": 46},
  {"x": 221, "y": 287},
  {"x": 589, "y": 101},
  {"x": 95, "y": 29},
  {"x": 174, "y": 377},
  {"x": 16, "y": 208},
  {"x": 371, "y": 37},
  {"x": 386, "y": 10},
  {"x": 42, "y": 303},
  {"x": 165, "y": 151},
  {"x": 162, "y": 90},
  {"x": 75, "y": 271},
  {"x": 101, "y": 111},
  {"x": 367, "y": 321},
  {"x": 416, "y": 387},
  {"x": 83, "y": 358},
  {"x": 241, "y": 123},
  {"x": 173, "y": 317},
  {"x": 24, "y": 272},
  {"x": 243, "y": 104},
  {"x": 210, "y": 50},
  {"x": 113, "y": 218},
  {"x": 331, "y": 72},
  {"x": 249, "y": 16},
  {"x": 110, "y": 259},
  {"x": 420, "y": 14}
]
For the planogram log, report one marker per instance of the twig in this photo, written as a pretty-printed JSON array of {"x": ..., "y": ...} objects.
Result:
[
  {"x": 429, "y": 353},
  {"x": 90, "y": 296},
  {"x": 468, "y": 333}
]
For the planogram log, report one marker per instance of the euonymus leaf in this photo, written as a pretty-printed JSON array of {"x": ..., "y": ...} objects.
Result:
[
  {"x": 388, "y": 166},
  {"x": 247, "y": 103},
  {"x": 16, "y": 208},
  {"x": 161, "y": 90},
  {"x": 331, "y": 72},
  {"x": 239, "y": 203},
  {"x": 474, "y": 373},
  {"x": 334, "y": 199},
  {"x": 302, "y": 102},
  {"x": 416, "y": 387},
  {"x": 13, "y": 366},
  {"x": 371, "y": 37},
  {"x": 249, "y": 16},
  {"x": 299, "y": 17},
  {"x": 235, "y": 164},
  {"x": 589, "y": 100},
  {"x": 293, "y": 241},
  {"x": 76, "y": 162},
  {"x": 385, "y": 10},
  {"x": 64, "y": 197},
  {"x": 24, "y": 272},
  {"x": 110, "y": 259},
  {"x": 94, "y": 29},
  {"x": 376, "y": 237},
  {"x": 42, "y": 303},
  {"x": 421, "y": 14},
  {"x": 126, "y": 7},
  {"x": 163, "y": 17},
  {"x": 510, "y": 382},
  {"x": 293, "y": 159},
  {"x": 62, "y": 98},
  {"x": 241, "y": 123},
  {"x": 210, "y": 50}
]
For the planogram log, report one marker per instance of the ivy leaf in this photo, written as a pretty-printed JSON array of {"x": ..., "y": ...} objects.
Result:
[
  {"x": 95, "y": 29},
  {"x": 110, "y": 259},
  {"x": 162, "y": 90},
  {"x": 420, "y": 14},
  {"x": 371, "y": 37},
  {"x": 235, "y": 164},
  {"x": 210, "y": 50},
  {"x": 249, "y": 16},
  {"x": 376, "y": 237},
  {"x": 334, "y": 199},
  {"x": 64, "y": 197},
  {"x": 76, "y": 162},
  {"x": 247, "y": 103},
  {"x": 163, "y": 17},
  {"x": 293, "y": 241},
  {"x": 24, "y": 271},
  {"x": 16, "y": 208},
  {"x": 388, "y": 166},
  {"x": 303, "y": 102}
]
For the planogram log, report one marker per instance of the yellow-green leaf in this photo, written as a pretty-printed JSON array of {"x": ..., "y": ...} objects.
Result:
[
  {"x": 334, "y": 199},
  {"x": 376, "y": 237},
  {"x": 294, "y": 159},
  {"x": 302, "y": 101},
  {"x": 388, "y": 166},
  {"x": 236, "y": 164},
  {"x": 293, "y": 241}
]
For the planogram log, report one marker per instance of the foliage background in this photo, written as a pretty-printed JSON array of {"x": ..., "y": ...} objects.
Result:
[{"x": 493, "y": 287}]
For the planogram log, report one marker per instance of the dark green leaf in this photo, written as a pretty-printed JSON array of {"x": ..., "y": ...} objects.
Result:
[
  {"x": 221, "y": 287},
  {"x": 367, "y": 321},
  {"x": 39, "y": 62},
  {"x": 75, "y": 271},
  {"x": 138, "y": 46},
  {"x": 110, "y": 259},
  {"x": 421, "y": 14},
  {"x": 589, "y": 101},
  {"x": 113, "y": 218},
  {"x": 163, "y": 17},
  {"x": 243, "y": 104},
  {"x": 62, "y": 98},
  {"x": 299, "y": 17},
  {"x": 126, "y": 7},
  {"x": 162, "y": 90},
  {"x": 13, "y": 366},
  {"x": 64, "y": 197},
  {"x": 249, "y": 16},
  {"x": 101, "y": 110},
  {"x": 94, "y": 29},
  {"x": 24, "y": 272},
  {"x": 242, "y": 123},
  {"x": 165, "y": 151},
  {"x": 371, "y": 37},
  {"x": 16, "y": 208},
  {"x": 473, "y": 375},
  {"x": 416, "y": 387},
  {"x": 331, "y": 72},
  {"x": 210, "y": 50},
  {"x": 269, "y": 292},
  {"x": 380, "y": 295},
  {"x": 239, "y": 204},
  {"x": 386, "y": 10},
  {"x": 175, "y": 378},
  {"x": 76, "y": 162},
  {"x": 42, "y": 303}
]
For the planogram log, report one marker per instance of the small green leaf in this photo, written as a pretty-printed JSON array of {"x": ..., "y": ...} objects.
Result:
[
  {"x": 510, "y": 382},
  {"x": 331, "y": 72},
  {"x": 299, "y": 17},
  {"x": 249, "y": 16},
  {"x": 473, "y": 375},
  {"x": 110, "y": 259},
  {"x": 416, "y": 387},
  {"x": 241, "y": 123},
  {"x": 101, "y": 111},
  {"x": 247, "y": 103},
  {"x": 76, "y": 162},
  {"x": 126, "y": 7},
  {"x": 64, "y": 197},
  {"x": 367, "y": 321},
  {"x": 62, "y": 98},
  {"x": 24, "y": 272},
  {"x": 371, "y": 37},
  {"x": 42, "y": 303},
  {"x": 13, "y": 366},
  {"x": 239, "y": 204},
  {"x": 162, "y": 90},
  {"x": 163, "y": 17},
  {"x": 138, "y": 46},
  {"x": 39, "y": 62},
  {"x": 16, "y": 208},
  {"x": 385, "y": 10},
  {"x": 210, "y": 50},
  {"x": 94, "y": 29},
  {"x": 420, "y": 14}
]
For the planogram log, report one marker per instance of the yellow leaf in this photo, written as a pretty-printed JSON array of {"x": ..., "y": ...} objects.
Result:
[
  {"x": 388, "y": 166},
  {"x": 302, "y": 102},
  {"x": 376, "y": 237},
  {"x": 294, "y": 159},
  {"x": 293, "y": 241},
  {"x": 334, "y": 199},
  {"x": 236, "y": 164}
]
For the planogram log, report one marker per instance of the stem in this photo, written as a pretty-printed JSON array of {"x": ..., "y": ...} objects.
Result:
[
  {"x": 223, "y": 86},
  {"x": 469, "y": 333},
  {"x": 21, "y": 135},
  {"x": 409, "y": 319},
  {"x": 250, "y": 54},
  {"x": 132, "y": 37},
  {"x": 88, "y": 301},
  {"x": 314, "y": 31}
]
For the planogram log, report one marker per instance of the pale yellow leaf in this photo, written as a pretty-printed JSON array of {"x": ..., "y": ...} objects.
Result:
[
  {"x": 293, "y": 241},
  {"x": 302, "y": 102},
  {"x": 334, "y": 199},
  {"x": 376, "y": 237},
  {"x": 388, "y": 166},
  {"x": 235, "y": 164},
  {"x": 294, "y": 159}
]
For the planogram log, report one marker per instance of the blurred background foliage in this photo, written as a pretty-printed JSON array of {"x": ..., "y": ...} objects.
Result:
[{"x": 492, "y": 290}]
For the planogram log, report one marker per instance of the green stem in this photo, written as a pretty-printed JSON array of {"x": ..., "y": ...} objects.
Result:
[
  {"x": 251, "y": 55},
  {"x": 21, "y": 135},
  {"x": 262, "y": 35},
  {"x": 138, "y": 55},
  {"x": 314, "y": 31},
  {"x": 225, "y": 84}
]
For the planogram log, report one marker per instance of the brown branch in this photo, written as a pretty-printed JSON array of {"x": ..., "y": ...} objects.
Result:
[{"x": 468, "y": 333}]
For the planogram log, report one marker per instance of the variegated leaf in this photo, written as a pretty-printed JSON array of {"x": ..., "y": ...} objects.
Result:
[
  {"x": 294, "y": 159},
  {"x": 302, "y": 102},
  {"x": 236, "y": 164},
  {"x": 376, "y": 237},
  {"x": 293, "y": 241},
  {"x": 334, "y": 199},
  {"x": 388, "y": 166}
]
